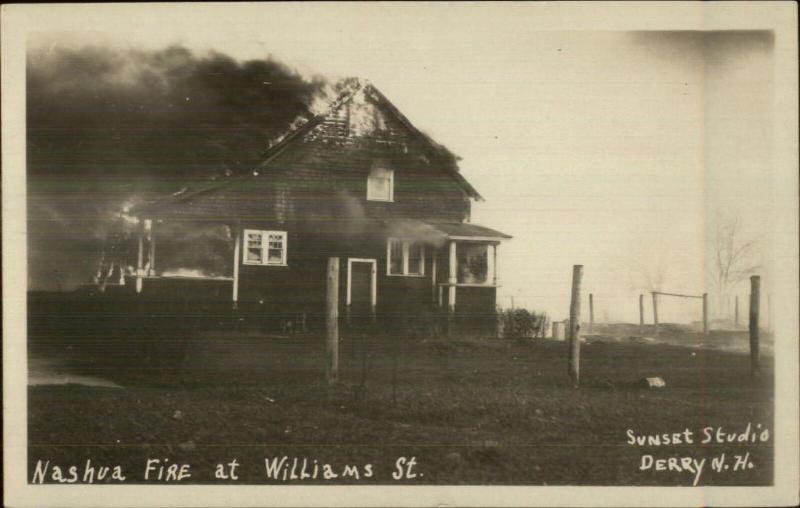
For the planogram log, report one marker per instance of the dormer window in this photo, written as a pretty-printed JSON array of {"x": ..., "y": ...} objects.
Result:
[{"x": 380, "y": 184}]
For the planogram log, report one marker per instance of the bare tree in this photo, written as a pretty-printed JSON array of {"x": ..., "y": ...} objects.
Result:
[
  {"x": 734, "y": 259},
  {"x": 649, "y": 273}
]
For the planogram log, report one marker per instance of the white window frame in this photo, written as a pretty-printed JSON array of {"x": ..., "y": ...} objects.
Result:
[
  {"x": 370, "y": 196},
  {"x": 265, "y": 247},
  {"x": 405, "y": 246}
]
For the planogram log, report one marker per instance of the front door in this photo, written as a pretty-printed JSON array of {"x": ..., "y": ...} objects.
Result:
[{"x": 361, "y": 288}]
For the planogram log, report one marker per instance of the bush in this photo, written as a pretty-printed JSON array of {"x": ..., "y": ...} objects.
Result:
[{"x": 523, "y": 324}]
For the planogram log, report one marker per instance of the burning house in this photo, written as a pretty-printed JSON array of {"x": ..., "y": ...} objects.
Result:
[{"x": 358, "y": 182}]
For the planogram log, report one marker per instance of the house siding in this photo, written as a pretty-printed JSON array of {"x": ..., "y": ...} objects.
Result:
[
  {"x": 299, "y": 287},
  {"x": 280, "y": 292}
]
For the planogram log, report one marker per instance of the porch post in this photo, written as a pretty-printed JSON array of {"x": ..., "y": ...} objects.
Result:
[
  {"x": 151, "y": 256},
  {"x": 373, "y": 290},
  {"x": 348, "y": 292},
  {"x": 433, "y": 276},
  {"x": 452, "y": 280},
  {"x": 140, "y": 257},
  {"x": 492, "y": 262},
  {"x": 237, "y": 231}
]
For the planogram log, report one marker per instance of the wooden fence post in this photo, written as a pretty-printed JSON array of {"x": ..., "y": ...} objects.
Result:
[
  {"x": 332, "y": 321},
  {"x": 755, "y": 283},
  {"x": 705, "y": 314},
  {"x": 574, "y": 325},
  {"x": 591, "y": 312},
  {"x": 655, "y": 314},
  {"x": 641, "y": 315}
]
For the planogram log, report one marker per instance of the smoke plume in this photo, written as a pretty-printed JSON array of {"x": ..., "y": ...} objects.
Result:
[{"x": 108, "y": 127}]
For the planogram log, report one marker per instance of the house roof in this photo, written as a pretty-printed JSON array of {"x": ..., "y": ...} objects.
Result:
[
  {"x": 435, "y": 232},
  {"x": 444, "y": 156},
  {"x": 468, "y": 230},
  {"x": 448, "y": 157}
]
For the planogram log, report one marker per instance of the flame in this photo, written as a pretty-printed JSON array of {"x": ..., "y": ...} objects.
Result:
[{"x": 191, "y": 274}]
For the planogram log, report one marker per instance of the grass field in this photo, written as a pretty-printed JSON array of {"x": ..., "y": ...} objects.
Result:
[{"x": 468, "y": 411}]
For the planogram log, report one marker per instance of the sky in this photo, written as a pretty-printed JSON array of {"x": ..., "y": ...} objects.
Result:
[{"x": 617, "y": 150}]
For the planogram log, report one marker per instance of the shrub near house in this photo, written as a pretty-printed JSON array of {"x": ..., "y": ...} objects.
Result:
[{"x": 522, "y": 323}]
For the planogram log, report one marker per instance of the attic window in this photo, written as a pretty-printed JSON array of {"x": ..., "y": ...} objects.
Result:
[
  {"x": 380, "y": 184},
  {"x": 265, "y": 247}
]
